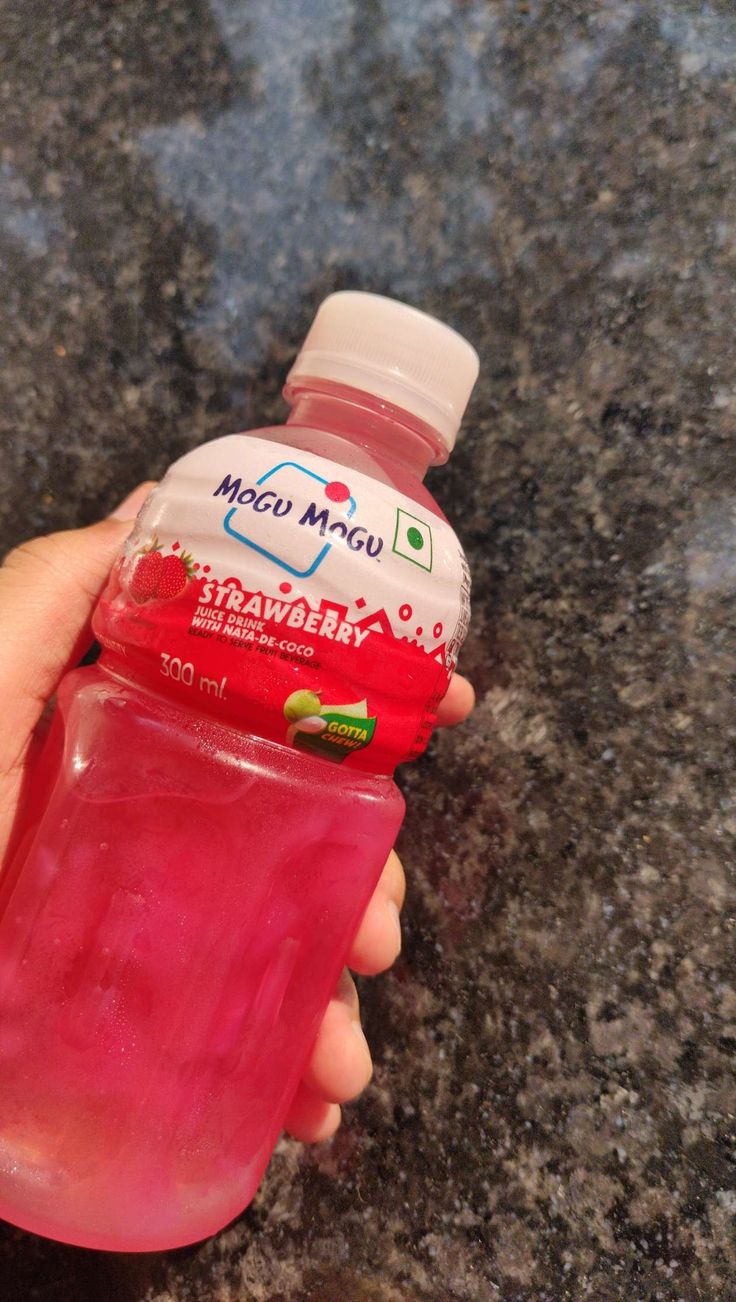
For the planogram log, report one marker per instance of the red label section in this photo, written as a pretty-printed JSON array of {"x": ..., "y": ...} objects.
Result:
[{"x": 271, "y": 663}]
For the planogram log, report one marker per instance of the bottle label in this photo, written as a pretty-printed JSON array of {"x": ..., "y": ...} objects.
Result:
[{"x": 300, "y": 600}]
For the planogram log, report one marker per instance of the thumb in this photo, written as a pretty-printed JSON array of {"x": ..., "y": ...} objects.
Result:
[{"x": 48, "y": 589}]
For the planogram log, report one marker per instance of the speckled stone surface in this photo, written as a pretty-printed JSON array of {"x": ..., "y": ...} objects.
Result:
[{"x": 552, "y": 1115}]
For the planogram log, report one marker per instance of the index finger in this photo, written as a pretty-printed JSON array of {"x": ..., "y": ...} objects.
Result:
[{"x": 457, "y": 702}]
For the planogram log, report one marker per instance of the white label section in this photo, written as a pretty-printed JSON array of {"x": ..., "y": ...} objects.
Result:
[{"x": 288, "y": 523}]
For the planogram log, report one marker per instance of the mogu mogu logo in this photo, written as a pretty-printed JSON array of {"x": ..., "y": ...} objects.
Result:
[{"x": 321, "y": 511}]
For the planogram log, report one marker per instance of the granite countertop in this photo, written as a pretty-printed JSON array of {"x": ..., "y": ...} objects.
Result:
[{"x": 552, "y": 1114}]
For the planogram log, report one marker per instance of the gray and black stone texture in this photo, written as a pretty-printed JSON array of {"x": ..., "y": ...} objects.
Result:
[{"x": 553, "y": 1110}]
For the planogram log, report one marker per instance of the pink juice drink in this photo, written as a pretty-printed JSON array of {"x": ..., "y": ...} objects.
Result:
[{"x": 215, "y": 800}]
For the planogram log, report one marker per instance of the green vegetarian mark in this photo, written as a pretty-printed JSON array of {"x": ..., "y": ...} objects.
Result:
[{"x": 413, "y": 540}]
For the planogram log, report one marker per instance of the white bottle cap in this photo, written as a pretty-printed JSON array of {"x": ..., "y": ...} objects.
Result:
[{"x": 394, "y": 352}]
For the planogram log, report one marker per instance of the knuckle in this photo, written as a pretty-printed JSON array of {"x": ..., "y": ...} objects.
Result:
[{"x": 34, "y": 553}]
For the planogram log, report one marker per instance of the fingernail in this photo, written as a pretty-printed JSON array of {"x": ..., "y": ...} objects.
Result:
[
  {"x": 393, "y": 910},
  {"x": 359, "y": 1034},
  {"x": 131, "y": 505},
  {"x": 347, "y": 993}
]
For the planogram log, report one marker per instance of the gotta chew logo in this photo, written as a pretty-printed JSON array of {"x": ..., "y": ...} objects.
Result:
[
  {"x": 321, "y": 509},
  {"x": 332, "y": 731}
]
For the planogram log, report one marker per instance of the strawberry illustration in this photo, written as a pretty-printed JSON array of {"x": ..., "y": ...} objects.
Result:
[
  {"x": 146, "y": 570},
  {"x": 158, "y": 577},
  {"x": 174, "y": 573}
]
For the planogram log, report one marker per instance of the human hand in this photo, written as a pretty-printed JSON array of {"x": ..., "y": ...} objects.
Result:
[{"x": 48, "y": 590}]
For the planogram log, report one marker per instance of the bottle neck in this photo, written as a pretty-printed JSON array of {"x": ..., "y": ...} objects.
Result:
[{"x": 388, "y": 433}]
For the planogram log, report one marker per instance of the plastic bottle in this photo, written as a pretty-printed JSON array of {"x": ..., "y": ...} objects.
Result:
[{"x": 215, "y": 800}]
